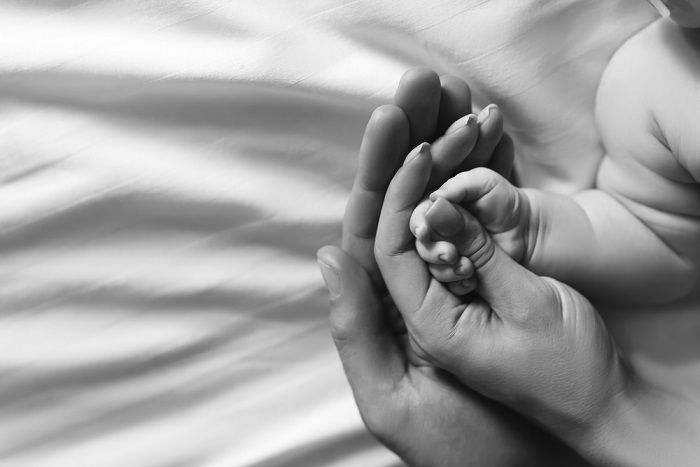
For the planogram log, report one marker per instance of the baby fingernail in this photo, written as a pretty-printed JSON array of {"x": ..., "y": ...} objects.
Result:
[
  {"x": 472, "y": 120},
  {"x": 424, "y": 148},
  {"x": 463, "y": 268}
]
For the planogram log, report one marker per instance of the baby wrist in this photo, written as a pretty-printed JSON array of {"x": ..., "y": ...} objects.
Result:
[{"x": 532, "y": 227}]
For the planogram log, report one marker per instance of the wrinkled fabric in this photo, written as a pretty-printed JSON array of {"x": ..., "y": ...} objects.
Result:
[{"x": 167, "y": 172}]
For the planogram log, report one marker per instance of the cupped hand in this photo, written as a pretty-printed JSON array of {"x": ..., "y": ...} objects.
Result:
[
  {"x": 503, "y": 210},
  {"x": 529, "y": 342},
  {"x": 419, "y": 411}
]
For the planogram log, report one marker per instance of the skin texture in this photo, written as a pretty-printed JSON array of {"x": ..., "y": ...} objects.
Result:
[
  {"x": 648, "y": 128},
  {"x": 684, "y": 12},
  {"x": 644, "y": 426},
  {"x": 418, "y": 410},
  {"x": 530, "y": 342},
  {"x": 633, "y": 240},
  {"x": 588, "y": 240},
  {"x": 520, "y": 328}
]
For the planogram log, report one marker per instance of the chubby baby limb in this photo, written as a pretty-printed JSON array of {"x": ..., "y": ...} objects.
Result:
[
  {"x": 502, "y": 209},
  {"x": 588, "y": 240}
]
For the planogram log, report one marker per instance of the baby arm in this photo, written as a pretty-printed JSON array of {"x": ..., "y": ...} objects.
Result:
[{"x": 589, "y": 240}]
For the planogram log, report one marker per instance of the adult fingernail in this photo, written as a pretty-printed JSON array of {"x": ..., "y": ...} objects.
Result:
[
  {"x": 663, "y": 10},
  {"x": 468, "y": 121},
  {"x": 424, "y": 148},
  {"x": 331, "y": 278},
  {"x": 485, "y": 113}
]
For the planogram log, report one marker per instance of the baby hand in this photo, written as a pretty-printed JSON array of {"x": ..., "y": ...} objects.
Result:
[{"x": 502, "y": 209}]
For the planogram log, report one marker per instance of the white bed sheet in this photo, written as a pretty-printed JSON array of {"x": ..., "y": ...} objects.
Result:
[{"x": 167, "y": 171}]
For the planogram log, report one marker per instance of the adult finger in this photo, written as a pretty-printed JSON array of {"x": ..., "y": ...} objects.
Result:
[
  {"x": 450, "y": 150},
  {"x": 430, "y": 311},
  {"x": 503, "y": 157},
  {"x": 404, "y": 272},
  {"x": 490, "y": 132},
  {"x": 455, "y": 102},
  {"x": 384, "y": 146},
  {"x": 418, "y": 94},
  {"x": 370, "y": 354}
]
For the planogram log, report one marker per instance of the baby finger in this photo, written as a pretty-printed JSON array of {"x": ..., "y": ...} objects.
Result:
[
  {"x": 452, "y": 273},
  {"x": 440, "y": 252},
  {"x": 463, "y": 287}
]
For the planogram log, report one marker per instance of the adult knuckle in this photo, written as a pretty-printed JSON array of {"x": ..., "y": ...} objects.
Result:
[
  {"x": 379, "y": 254},
  {"x": 341, "y": 328}
]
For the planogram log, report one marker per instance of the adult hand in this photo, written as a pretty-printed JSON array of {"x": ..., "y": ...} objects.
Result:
[
  {"x": 529, "y": 342},
  {"x": 425, "y": 107},
  {"x": 419, "y": 411}
]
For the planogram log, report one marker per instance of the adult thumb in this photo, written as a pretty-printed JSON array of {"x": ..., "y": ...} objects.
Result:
[{"x": 366, "y": 344}]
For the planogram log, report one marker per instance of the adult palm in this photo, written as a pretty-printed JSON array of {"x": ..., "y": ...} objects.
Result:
[
  {"x": 527, "y": 341},
  {"x": 421, "y": 412}
]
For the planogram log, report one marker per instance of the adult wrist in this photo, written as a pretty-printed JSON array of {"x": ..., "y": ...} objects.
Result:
[{"x": 644, "y": 426}]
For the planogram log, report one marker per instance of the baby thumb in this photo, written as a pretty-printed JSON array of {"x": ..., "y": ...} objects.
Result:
[
  {"x": 509, "y": 288},
  {"x": 444, "y": 219}
]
